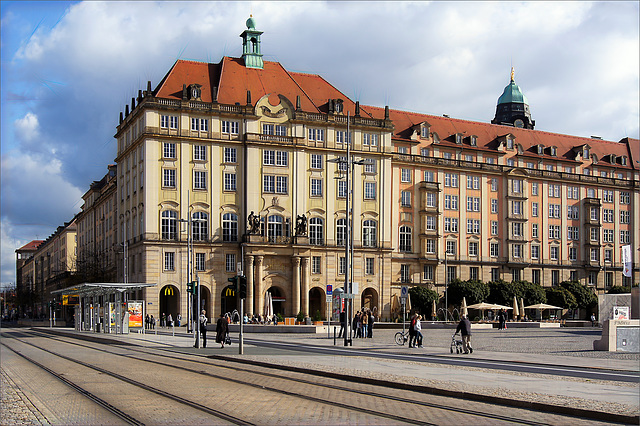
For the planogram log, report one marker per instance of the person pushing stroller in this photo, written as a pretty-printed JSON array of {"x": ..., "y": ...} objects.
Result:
[{"x": 464, "y": 328}]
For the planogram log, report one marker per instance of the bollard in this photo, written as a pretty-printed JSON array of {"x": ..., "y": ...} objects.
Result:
[{"x": 334, "y": 336}]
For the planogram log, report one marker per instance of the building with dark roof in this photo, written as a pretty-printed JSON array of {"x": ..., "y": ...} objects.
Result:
[{"x": 235, "y": 167}]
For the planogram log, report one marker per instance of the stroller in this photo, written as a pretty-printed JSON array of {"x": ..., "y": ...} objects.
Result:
[{"x": 456, "y": 344}]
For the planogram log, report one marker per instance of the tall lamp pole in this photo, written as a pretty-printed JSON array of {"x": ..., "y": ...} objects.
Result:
[{"x": 348, "y": 290}]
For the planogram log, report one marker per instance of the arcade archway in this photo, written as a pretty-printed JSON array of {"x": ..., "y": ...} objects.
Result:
[
  {"x": 169, "y": 301},
  {"x": 369, "y": 299},
  {"x": 278, "y": 300},
  {"x": 317, "y": 303},
  {"x": 228, "y": 300}
]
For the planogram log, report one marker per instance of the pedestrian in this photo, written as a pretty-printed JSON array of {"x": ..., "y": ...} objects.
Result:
[
  {"x": 371, "y": 320},
  {"x": 593, "y": 320},
  {"x": 418, "y": 331},
  {"x": 146, "y": 322},
  {"x": 178, "y": 319},
  {"x": 464, "y": 328},
  {"x": 412, "y": 330},
  {"x": 501, "y": 319},
  {"x": 354, "y": 326},
  {"x": 343, "y": 317},
  {"x": 222, "y": 328},
  {"x": 153, "y": 322},
  {"x": 364, "y": 318},
  {"x": 203, "y": 327},
  {"x": 169, "y": 321},
  {"x": 163, "y": 320}
]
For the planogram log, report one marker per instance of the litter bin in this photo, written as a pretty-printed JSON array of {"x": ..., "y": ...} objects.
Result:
[{"x": 98, "y": 327}]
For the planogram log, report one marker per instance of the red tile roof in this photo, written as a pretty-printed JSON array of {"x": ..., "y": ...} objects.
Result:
[
  {"x": 31, "y": 246},
  {"x": 233, "y": 80}
]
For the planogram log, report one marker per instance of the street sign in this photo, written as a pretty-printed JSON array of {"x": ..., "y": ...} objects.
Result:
[
  {"x": 404, "y": 293},
  {"x": 329, "y": 298},
  {"x": 329, "y": 289}
]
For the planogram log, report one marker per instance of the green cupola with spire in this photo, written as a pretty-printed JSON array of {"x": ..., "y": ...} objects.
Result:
[
  {"x": 513, "y": 107},
  {"x": 251, "y": 52}
]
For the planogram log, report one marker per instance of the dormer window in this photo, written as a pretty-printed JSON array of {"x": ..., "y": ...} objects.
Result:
[
  {"x": 474, "y": 140},
  {"x": 424, "y": 132},
  {"x": 458, "y": 138},
  {"x": 540, "y": 149},
  {"x": 509, "y": 143},
  {"x": 436, "y": 139},
  {"x": 195, "y": 91},
  {"x": 613, "y": 159},
  {"x": 585, "y": 152},
  {"x": 553, "y": 150},
  {"x": 623, "y": 160}
]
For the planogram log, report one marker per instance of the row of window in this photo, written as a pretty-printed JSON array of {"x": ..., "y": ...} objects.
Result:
[
  {"x": 272, "y": 184},
  {"x": 516, "y": 275},
  {"x": 272, "y": 226},
  {"x": 518, "y": 250},
  {"x": 269, "y": 157},
  {"x": 405, "y": 269}
]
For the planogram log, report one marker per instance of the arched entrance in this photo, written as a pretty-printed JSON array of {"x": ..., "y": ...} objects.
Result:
[
  {"x": 278, "y": 300},
  {"x": 228, "y": 301},
  {"x": 369, "y": 299},
  {"x": 317, "y": 303},
  {"x": 169, "y": 302},
  {"x": 205, "y": 302}
]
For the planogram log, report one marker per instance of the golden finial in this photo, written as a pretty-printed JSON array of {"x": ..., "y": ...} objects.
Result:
[{"x": 512, "y": 72}]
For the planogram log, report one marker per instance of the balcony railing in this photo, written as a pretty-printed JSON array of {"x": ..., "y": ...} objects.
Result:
[{"x": 436, "y": 161}]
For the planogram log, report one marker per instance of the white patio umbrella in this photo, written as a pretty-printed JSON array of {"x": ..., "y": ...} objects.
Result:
[
  {"x": 522, "y": 307},
  {"x": 463, "y": 308},
  {"x": 482, "y": 307},
  {"x": 516, "y": 312},
  {"x": 541, "y": 307},
  {"x": 434, "y": 309}
]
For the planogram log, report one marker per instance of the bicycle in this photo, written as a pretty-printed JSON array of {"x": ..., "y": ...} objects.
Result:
[{"x": 402, "y": 337}]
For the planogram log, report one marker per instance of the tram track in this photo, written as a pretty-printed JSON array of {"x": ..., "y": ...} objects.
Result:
[{"x": 170, "y": 361}]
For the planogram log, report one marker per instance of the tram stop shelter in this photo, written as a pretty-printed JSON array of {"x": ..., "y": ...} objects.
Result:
[{"x": 105, "y": 307}]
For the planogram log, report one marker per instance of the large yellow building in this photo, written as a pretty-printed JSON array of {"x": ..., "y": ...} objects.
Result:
[{"x": 235, "y": 167}]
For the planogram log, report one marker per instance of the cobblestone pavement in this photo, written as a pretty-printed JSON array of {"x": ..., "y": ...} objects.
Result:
[
  {"x": 17, "y": 409},
  {"x": 555, "y": 346}
]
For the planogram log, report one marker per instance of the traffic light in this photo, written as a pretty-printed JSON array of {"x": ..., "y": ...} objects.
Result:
[
  {"x": 242, "y": 287},
  {"x": 192, "y": 287},
  {"x": 234, "y": 281}
]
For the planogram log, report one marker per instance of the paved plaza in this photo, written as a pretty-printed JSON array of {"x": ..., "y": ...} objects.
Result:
[{"x": 554, "y": 347}]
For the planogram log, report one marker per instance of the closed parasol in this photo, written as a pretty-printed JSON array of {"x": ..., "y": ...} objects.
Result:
[{"x": 463, "y": 308}]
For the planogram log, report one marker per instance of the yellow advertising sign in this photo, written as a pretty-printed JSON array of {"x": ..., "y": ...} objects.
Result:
[
  {"x": 230, "y": 292},
  {"x": 135, "y": 314},
  {"x": 70, "y": 300}
]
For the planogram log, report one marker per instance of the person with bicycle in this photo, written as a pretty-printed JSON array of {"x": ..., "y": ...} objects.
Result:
[
  {"x": 412, "y": 330},
  {"x": 418, "y": 332}
]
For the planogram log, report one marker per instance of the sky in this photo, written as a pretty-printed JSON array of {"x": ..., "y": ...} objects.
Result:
[{"x": 69, "y": 68}]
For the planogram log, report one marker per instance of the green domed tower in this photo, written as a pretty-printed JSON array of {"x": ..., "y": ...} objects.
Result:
[
  {"x": 251, "y": 52},
  {"x": 513, "y": 107}
]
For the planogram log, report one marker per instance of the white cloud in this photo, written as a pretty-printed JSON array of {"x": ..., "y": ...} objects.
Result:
[{"x": 27, "y": 128}]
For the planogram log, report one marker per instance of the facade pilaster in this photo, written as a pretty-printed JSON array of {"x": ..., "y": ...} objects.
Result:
[
  {"x": 295, "y": 290},
  {"x": 305, "y": 287},
  {"x": 250, "y": 281},
  {"x": 259, "y": 293}
]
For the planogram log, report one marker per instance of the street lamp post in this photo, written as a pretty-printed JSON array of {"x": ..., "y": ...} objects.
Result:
[
  {"x": 350, "y": 168},
  {"x": 446, "y": 284}
]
